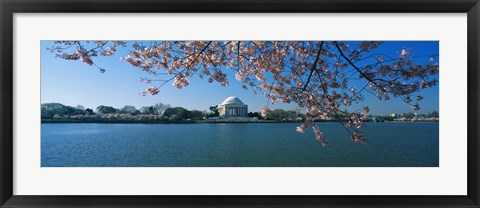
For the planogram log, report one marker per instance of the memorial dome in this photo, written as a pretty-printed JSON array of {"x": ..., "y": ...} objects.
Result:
[{"x": 232, "y": 100}]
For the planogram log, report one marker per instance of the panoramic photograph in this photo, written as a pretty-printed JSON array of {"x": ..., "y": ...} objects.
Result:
[{"x": 239, "y": 103}]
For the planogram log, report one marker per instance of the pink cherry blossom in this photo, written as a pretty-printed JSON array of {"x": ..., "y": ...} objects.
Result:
[
  {"x": 153, "y": 90},
  {"x": 264, "y": 112}
]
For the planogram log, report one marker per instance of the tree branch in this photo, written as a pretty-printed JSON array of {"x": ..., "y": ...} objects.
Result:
[
  {"x": 351, "y": 63},
  {"x": 198, "y": 55},
  {"x": 313, "y": 68}
]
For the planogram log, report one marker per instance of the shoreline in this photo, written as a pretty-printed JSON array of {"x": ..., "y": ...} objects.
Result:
[
  {"x": 208, "y": 122},
  {"x": 165, "y": 122}
]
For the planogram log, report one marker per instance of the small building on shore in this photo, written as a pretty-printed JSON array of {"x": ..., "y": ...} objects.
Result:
[{"x": 232, "y": 107}]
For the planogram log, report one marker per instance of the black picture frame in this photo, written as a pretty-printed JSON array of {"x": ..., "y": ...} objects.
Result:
[{"x": 9, "y": 7}]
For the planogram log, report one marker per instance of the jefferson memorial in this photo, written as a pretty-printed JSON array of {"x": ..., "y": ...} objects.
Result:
[{"x": 232, "y": 107}]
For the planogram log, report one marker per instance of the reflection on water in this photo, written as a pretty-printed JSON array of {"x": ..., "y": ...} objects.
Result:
[{"x": 236, "y": 145}]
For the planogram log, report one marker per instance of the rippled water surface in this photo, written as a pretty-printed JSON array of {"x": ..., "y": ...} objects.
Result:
[{"x": 236, "y": 145}]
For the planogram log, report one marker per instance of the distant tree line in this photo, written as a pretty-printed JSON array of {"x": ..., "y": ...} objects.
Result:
[
  {"x": 165, "y": 112},
  {"x": 284, "y": 115},
  {"x": 159, "y": 111},
  {"x": 277, "y": 114},
  {"x": 433, "y": 114}
]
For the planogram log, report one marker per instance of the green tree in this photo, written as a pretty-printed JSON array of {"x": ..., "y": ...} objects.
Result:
[
  {"x": 254, "y": 115},
  {"x": 176, "y": 113},
  {"x": 196, "y": 114},
  {"x": 128, "y": 109},
  {"x": 408, "y": 115},
  {"x": 434, "y": 114},
  {"x": 388, "y": 118},
  {"x": 80, "y": 107},
  {"x": 160, "y": 108},
  {"x": 89, "y": 111},
  {"x": 292, "y": 115},
  {"x": 48, "y": 110},
  {"x": 214, "y": 110},
  {"x": 106, "y": 109},
  {"x": 277, "y": 114},
  {"x": 147, "y": 110}
]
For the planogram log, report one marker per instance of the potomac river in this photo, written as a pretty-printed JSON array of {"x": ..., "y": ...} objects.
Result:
[{"x": 391, "y": 144}]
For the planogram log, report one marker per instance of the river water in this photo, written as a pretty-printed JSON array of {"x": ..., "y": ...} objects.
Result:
[{"x": 236, "y": 145}]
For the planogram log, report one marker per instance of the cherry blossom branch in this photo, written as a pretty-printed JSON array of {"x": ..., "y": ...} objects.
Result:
[
  {"x": 314, "y": 67},
  {"x": 195, "y": 59},
  {"x": 351, "y": 63}
]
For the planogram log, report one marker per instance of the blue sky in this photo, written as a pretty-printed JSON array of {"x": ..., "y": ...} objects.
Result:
[{"x": 75, "y": 83}]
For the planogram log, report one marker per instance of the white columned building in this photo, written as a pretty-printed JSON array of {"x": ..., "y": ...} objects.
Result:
[{"x": 233, "y": 107}]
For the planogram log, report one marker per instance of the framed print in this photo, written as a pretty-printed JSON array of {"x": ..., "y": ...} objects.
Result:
[{"x": 267, "y": 103}]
